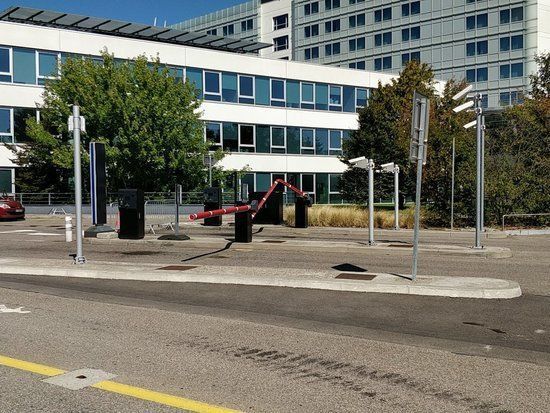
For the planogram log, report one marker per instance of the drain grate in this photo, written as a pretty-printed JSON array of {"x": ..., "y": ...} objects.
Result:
[
  {"x": 352, "y": 276},
  {"x": 177, "y": 267},
  {"x": 273, "y": 241},
  {"x": 401, "y": 245}
]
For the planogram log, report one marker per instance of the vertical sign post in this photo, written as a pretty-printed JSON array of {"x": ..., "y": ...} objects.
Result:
[
  {"x": 396, "y": 195},
  {"x": 178, "y": 202},
  {"x": 479, "y": 169},
  {"x": 370, "y": 168},
  {"x": 75, "y": 124},
  {"x": 418, "y": 151},
  {"x": 98, "y": 190}
]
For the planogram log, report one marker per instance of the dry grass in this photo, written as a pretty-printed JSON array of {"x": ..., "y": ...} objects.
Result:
[{"x": 351, "y": 216}]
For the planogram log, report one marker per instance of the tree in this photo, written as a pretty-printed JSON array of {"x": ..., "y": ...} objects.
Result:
[
  {"x": 149, "y": 121},
  {"x": 540, "y": 81}
]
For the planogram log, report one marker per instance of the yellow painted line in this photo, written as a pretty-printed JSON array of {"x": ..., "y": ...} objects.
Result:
[
  {"x": 32, "y": 367},
  {"x": 161, "y": 398},
  {"x": 119, "y": 388}
]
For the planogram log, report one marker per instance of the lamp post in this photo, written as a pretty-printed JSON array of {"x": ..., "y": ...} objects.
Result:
[
  {"x": 368, "y": 164},
  {"x": 476, "y": 102}
]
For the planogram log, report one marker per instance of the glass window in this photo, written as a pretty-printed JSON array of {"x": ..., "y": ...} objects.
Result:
[
  {"x": 352, "y": 45},
  {"x": 5, "y": 181},
  {"x": 504, "y": 16},
  {"x": 246, "y": 138},
  {"x": 212, "y": 86},
  {"x": 5, "y": 64},
  {"x": 361, "y": 96},
  {"x": 47, "y": 66},
  {"x": 246, "y": 89},
  {"x": 278, "y": 141},
  {"x": 470, "y": 22},
  {"x": 177, "y": 74},
  {"x": 386, "y": 13},
  {"x": 212, "y": 32},
  {"x": 361, "y": 65},
  {"x": 348, "y": 99},
  {"x": 471, "y": 75},
  {"x": 308, "y": 183},
  {"x": 20, "y": 116},
  {"x": 415, "y": 56},
  {"x": 194, "y": 76},
  {"x": 471, "y": 49},
  {"x": 415, "y": 33},
  {"x": 504, "y": 44},
  {"x": 517, "y": 14},
  {"x": 213, "y": 132},
  {"x": 262, "y": 90},
  {"x": 386, "y": 38},
  {"x": 516, "y": 70},
  {"x": 5, "y": 125},
  {"x": 229, "y": 88},
  {"x": 307, "y": 141},
  {"x": 228, "y": 30},
  {"x": 263, "y": 139},
  {"x": 378, "y": 39},
  {"x": 24, "y": 66},
  {"x": 335, "y": 98},
  {"x": 386, "y": 63},
  {"x": 230, "y": 137},
  {"x": 247, "y": 25},
  {"x": 482, "y": 47},
  {"x": 351, "y": 21},
  {"x": 405, "y": 35},
  {"x": 482, "y": 20},
  {"x": 361, "y": 19},
  {"x": 361, "y": 43},
  {"x": 334, "y": 184},
  {"x": 405, "y": 58},
  {"x": 504, "y": 99},
  {"x": 482, "y": 74},
  {"x": 263, "y": 182},
  {"x": 249, "y": 179},
  {"x": 280, "y": 43},
  {"x": 378, "y": 63},
  {"x": 405, "y": 10},
  {"x": 377, "y": 16},
  {"x": 517, "y": 42},
  {"x": 280, "y": 22},
  {"x": 321, "y": 141},
  {"x": 277, "y": 92},
  {"x": 335, "y": 142},
  {"x": 505, "y": 71},
  {"x": 293, "y": 140},
  {"x": 321, "y": 96},
  {"x": 307, "y": 96},
  {"x": 292, "y": 94}
]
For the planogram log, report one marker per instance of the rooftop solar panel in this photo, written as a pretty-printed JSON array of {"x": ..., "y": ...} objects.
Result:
[{"x": 61, "y": 20}]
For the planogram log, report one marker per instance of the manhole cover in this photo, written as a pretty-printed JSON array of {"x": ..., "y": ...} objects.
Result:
[
  {"x": 351, "y": 276},
  {"x": 401, "y": 245},
  {"x": 177, "y": 267},
  {"x": 273, "y": 241}
]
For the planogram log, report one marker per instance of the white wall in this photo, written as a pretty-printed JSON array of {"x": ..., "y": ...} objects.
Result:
[{"x": 267, "y": 12}]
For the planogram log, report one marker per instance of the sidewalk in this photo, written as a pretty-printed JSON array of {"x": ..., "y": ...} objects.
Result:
[
  {"x": 279, "y": 243},
  {"x": 428, "y": 285}
]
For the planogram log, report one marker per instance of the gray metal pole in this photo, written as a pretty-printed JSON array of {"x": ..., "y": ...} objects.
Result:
[
  {"x": 79, "y": 258},
  {"x": 396, "y": 195},
  {"x": 177, "y": 224},
  {"x": 371, "y": 202},
  {"x": 419, "y": 164},
  {"x": 478, "y": 171},
  {"x": 210, "y": 170},
  {"x": 453, "y": 188},
  {"x": 482, "y": 183}
]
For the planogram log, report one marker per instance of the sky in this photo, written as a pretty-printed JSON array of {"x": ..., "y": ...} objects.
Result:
[{"x": 138, "y": 11}]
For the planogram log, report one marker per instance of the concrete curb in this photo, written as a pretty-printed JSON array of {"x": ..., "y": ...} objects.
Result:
[
  {"x": 456, "y": 287},
  {"x": 321, "y": 246}
]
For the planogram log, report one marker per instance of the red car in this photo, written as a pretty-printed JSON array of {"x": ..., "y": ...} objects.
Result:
[{"x": 10, "y": 208}]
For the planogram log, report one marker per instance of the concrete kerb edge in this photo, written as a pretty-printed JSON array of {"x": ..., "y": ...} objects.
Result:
[{"x": 513, "y": 289}]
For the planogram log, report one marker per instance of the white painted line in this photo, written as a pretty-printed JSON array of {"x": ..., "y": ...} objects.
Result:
[
  {"x": 17, "y": 231},
  {"x": 44, "y": 233},
  {"x": 79, "y": 379},
  {"x": 4, "y": 309}
]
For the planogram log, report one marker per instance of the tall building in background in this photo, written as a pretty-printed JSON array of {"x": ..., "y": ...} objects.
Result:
[{"x": 491, "y": 43}]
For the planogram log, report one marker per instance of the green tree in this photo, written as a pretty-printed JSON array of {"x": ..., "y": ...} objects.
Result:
[
  {"x": 540, "y": 81},
  {"x": 149, "y": 121}
]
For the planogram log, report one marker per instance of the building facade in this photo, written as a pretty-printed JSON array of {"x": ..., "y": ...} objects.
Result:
[
  {"x": 490, "y": 43},
  {"x": 279, "y": 119}
]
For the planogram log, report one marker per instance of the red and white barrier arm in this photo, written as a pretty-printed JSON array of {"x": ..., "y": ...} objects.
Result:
[
  {"x": 218, "y": 212},
  {"x": 291, "y": 187},
  {"x": 272, "y": 188}
]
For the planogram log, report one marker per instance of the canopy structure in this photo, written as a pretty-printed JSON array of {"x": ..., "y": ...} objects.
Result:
[{"x": 119, "y": 28}]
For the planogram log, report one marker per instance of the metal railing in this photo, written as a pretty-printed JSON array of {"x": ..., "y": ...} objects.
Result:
[{"x": 545, "y": 214}]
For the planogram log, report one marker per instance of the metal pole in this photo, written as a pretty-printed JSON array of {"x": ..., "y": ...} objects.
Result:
[
  {"x": 482, "y": 184},
  {"x": 453, "y": 188},
  {"x": 79, "y": 258},
  {"x": 371, "y": 202},
  {"x": 396, "y": 195},
  {"x": 419, "y": 164},
  {"x": 478, "y": 171},
  {"x": 177, "y": 224},
  {"x": 210, "y": 169}
]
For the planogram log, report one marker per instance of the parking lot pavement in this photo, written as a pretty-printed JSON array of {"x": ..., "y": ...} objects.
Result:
[{"x": 528, "y": 266}]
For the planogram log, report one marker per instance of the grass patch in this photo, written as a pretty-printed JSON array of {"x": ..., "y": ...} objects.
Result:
[{"x": 351, "y": 217}]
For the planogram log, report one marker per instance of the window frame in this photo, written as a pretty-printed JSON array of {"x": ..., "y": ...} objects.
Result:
[
  {"x": 330, "y": 191},
  {"x": 302, "y": 101},
  {"x": 10, "y": 56},
  {"x": 339, "y": 107},
  {"x": 330, "y": 148},
  {"x": 205, "y": 92},
  {"x": 314, "y": 183},
  {"x": 279, "y": 27},
  {"x": 271, "y": 98},
  {"x": 253, "y": 145},
  {"x": 308, "y": 148},
  {"x": 240, "y": 95},
  {"x": 220, "y": 124},
  {"x": 279, "y": 48},
  {"x": 271, "y": 145},
  {"x": 37, "y": 65},
  {"x": 356, "y": 97},
  {"x": 10, "y": 134}
]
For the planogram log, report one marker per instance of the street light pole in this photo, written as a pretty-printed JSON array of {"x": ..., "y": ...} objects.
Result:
[
  {"x": 396, "y": 195},
  {"x": 479, "y": 112},
  {"x": 371, "y": 201},
  {"x": 453, "y": 187},
  {"x": 79, "y": 257},
  {"x": 482, "y": 185}
]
